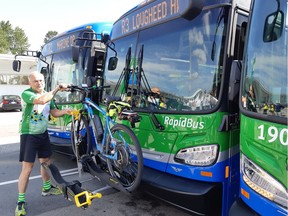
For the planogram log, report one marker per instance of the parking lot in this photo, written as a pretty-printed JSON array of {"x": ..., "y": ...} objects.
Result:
[{"x": 112, "y": 202}]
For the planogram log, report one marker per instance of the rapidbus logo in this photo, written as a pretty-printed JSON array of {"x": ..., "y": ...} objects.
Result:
[{"x": 183, "y": 122}]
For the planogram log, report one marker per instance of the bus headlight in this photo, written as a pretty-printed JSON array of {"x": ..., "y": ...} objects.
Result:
[
  {"x": 68, "y": 127},
  {"x": 198, "y": 156},
  {"x": 264, "y": 184}
]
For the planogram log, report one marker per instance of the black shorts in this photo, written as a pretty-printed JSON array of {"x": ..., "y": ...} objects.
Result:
[{"x": 34, "y": 144}]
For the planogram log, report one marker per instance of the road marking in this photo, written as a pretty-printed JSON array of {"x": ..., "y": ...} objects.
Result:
[
  {"x": 64, "y": 172},
  {"x": 101, "y": 189}
]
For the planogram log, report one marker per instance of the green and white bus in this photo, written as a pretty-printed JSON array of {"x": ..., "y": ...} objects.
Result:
[
  {"x": 175, "y": 58},
  {"x": 264, "y": 110}
]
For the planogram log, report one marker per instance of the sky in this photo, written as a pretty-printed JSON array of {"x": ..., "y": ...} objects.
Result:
[{"x": 37, "y": 17}]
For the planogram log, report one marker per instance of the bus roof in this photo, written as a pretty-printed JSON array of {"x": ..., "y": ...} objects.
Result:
[{"x": 98, "y": 27}]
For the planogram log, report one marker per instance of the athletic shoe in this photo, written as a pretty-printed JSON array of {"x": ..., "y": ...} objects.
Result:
[
  {"x": 20, "y": 210},
  {"x": 52, "y": 191}
]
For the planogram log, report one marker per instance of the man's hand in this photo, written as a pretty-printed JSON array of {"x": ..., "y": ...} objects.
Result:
[
  {"x": 68, "y": 111},
  {"x": 63, "y": 86}
]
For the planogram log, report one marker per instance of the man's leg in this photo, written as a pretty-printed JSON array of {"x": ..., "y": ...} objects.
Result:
[
  {"x": 22, "y": 187},
  {"x": 47, "y": 188},
  {"x": 44, "y": 174},
  {"x": 24, "y": 176}
]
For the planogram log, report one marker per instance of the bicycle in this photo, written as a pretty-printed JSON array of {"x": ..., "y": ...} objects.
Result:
[{"x": 110, "y": 142}]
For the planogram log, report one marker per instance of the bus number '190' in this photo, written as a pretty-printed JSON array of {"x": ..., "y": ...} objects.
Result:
[{"x": 273, "y": 134}]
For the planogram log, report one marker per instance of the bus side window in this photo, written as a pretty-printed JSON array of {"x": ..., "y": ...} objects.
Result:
[{"x": 240, "y": 37}]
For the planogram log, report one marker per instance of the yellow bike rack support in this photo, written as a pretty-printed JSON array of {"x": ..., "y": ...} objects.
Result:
[
  {"x": 88, "y": 197},
  {"x": 72, "y": 190}
]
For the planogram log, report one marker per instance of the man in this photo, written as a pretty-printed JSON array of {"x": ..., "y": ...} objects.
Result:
[
  {"x": 34, "y": 140},
  {"x": 156, "y": 99}
]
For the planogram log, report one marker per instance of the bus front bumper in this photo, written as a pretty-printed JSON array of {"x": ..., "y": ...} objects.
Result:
[{"x": 199, "y": 198}]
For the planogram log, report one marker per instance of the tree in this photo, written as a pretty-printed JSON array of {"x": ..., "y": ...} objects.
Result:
[
  {"x": 12, "y": 40},
  {"x": 4, "y": 43},
  {"x": 49, "y": 35},
  {"x": 5, "y": 36},
  {"x": 19, "y": 41}
]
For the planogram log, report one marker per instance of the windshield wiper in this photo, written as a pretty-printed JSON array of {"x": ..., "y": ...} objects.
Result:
[
  {"x": 140, "y": 74},
  {"x": 124, "y": 76}
]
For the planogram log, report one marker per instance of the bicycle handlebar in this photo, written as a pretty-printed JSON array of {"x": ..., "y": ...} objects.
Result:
[{"x": 86, "y": 88}]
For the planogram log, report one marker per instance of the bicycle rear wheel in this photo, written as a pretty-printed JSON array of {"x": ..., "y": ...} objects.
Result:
[
  {"x": 80, "y": 137},
  {"x": 128, "y": 167}
]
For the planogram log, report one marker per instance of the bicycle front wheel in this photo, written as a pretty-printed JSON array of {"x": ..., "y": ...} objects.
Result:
[
  {"x": 80, "y": 137},
  {"x": 128, "y": 167}
]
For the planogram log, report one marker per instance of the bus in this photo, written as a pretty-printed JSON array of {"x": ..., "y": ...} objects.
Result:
[
  {"x": 62, "y": 66},
  {"x": 72, "y": 57},
  {"x": 175, "y": 58},
  {"x": 264, "y": 110}
]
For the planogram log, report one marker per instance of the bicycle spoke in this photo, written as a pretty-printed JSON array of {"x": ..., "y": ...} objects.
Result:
[
  {"x": 127, "y": 168},
  {"x": 80, "y": 137}
]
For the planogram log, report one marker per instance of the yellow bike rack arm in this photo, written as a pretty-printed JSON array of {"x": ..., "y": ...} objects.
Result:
[
  {"x": 75, "y": 113},
  {"x": 88, "y": 198}
]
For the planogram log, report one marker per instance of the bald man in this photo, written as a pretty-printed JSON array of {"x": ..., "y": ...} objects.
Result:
[{"x": 37, "y": 104}]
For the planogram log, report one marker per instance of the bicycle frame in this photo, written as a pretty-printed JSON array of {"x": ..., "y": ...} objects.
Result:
[
  {"x": 124, "y": 174},
  {"x": 88, "y": 106}
]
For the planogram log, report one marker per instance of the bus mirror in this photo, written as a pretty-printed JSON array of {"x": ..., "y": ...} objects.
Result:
[
  {"x": 273, "y": 26},
  {"x": 44, "y": 71},
  {"x": 38, "y": 54},
  {"x": 112, "y": 64},
  {"x": 234, "y": 82},
  {"x": 105, "y": 38},
  {"x": 75, "y": 53},
  {"x": 193, "y": 9},
  {"x": 16, "y": 65}
]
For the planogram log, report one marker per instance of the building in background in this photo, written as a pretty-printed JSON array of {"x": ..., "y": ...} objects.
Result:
[{"x": 12, "y": 82}]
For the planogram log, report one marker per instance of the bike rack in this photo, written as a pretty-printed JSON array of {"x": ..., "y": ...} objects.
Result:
[
  {"x": 71, "y": 190},
  {"x": 95, "y": 170}
]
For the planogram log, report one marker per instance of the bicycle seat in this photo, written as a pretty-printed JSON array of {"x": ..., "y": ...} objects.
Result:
[{"x": 109, "y": 98}]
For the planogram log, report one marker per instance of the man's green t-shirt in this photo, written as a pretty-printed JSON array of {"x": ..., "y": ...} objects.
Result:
[{"x": 34, "y": 116}]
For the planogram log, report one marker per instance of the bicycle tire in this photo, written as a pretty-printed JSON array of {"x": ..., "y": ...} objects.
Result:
[
  {"x": 80, "y": 135},
  {"x": 128, "y": 168}
]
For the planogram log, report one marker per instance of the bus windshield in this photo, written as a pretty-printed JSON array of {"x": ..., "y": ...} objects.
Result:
[
  {"x": 182, "y": 58},
  {"x": 265, "y": 77},
  {"x": 64, "y": 69}
]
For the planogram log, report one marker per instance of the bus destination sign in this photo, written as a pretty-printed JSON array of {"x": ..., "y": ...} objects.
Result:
[
  {"x": 60, "y": 44},
  {"x": 151, "y": 14}
]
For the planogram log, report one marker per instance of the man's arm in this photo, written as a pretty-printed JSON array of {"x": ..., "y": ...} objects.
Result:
[
  {"x": 46, "y": 97},
  {"x": 58, "y": 113}
]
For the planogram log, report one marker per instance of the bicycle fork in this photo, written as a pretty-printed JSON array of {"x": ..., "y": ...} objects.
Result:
[{"x": 75, "y": 116}]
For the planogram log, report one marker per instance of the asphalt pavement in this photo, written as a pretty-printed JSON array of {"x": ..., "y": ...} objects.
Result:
[{"x": 112, "y": 203}]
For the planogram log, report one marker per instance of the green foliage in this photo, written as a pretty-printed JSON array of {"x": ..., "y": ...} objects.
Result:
[
  {"x": 15, "y": 41},
  {"x": 20, "y": 41},
  {"x": 49, "y": 35},
  {"x": 4, "y": 43},
  {"x": 12, "y": 41}
]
